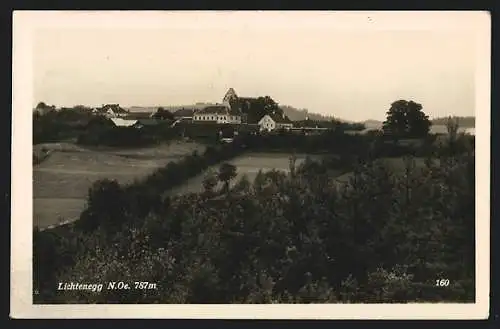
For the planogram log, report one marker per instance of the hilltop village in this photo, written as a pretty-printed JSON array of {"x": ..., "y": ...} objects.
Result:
[{"x": 257, "y": 114}]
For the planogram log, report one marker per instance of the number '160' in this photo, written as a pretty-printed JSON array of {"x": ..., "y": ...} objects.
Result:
[{"x": 443, "y": 283}]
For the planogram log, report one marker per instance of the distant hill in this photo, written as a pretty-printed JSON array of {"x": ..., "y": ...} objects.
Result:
[
  {"x": 463, "y": 122},
  {"x": 142, "y": 108},
  {"x": 171, "y": 108},
  {"x": 373, "y": 124},
  {"x": 301, "y": 114}
]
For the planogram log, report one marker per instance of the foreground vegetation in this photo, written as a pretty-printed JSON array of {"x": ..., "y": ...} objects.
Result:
[{"x": 387, "y": 236}]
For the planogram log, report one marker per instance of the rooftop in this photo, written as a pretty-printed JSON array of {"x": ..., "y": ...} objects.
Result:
[
  {"x": 214, "y": 109},
  {"x": 123, "y": 122},
  {"x": 184, "y": 112},
  {"x": 115, "y": 107}
]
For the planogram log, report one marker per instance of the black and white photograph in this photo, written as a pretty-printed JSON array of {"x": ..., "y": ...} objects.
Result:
[{"x": 280, "y": 162}]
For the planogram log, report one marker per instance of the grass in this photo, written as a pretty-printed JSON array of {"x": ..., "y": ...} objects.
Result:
[
  {"x": 52, "y": 211},
  {"x": 61, "y": 182}
]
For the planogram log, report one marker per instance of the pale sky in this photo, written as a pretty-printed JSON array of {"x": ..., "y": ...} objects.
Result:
[{"x": 353, "y": 74}]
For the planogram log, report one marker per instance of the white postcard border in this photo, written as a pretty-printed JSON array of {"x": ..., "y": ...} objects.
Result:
[{"x": 26, "y": 22}]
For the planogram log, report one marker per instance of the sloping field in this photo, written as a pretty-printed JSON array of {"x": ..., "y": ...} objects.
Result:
[
  {"x": 172, "y": 151},
  {"x": 249, "y": 165},
  {"x": 62, "y": 180},
  {"x": 53, "y": 211}
]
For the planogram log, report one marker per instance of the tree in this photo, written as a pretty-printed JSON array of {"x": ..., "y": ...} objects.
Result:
[
  {"x": 260, "y": 106},
  {"x": 163, "y": 114},
  {"x": 406, "y": 119},
  {"x": 452, "y": 127},
  {"x": 105, "y": 205},
  {"x": 210, "y": 182},
  {"x": 270, "y": 105},
  {"x": 41, "y": 105},
  {"x": 227, "y": 172}
]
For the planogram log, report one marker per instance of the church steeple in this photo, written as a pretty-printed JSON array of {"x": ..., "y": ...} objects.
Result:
[{"x": 229, "y": 95}]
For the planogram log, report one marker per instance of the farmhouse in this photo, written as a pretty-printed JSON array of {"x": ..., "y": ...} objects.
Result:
[
  {"x": 220, "y": 113},
  {"x": 272, "y": 122},
  {"x": 111, "y": 111}
]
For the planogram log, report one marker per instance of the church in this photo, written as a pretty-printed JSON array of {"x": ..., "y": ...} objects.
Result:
[{"x": 229, "y": 111}]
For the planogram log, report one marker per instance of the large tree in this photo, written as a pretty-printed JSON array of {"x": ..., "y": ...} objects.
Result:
[
  {"x": 41, "y": 105},
  {"x": 256, "y": 108},
  {"x": 163, "y": 114},
  {"x": 406, "y": 119},
  {"x": 226, "y": 173}
]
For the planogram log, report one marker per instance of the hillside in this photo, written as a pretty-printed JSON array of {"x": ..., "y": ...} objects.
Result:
[
  {"x": 464, "y": 122},
  {"x": 373, "y": 124},
  {"x": 301, "y": 114},
  {"x": 166, "y": 107}
]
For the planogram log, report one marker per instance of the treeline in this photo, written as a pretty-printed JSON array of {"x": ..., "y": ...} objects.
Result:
[
  {"x": 301, "y": 237},
  {"x": 374, "y": 145},
  {"x": 110, "y": 135},
  {"x": 330, "y": 124},
  {"x": 87, "y": 129},
  {"x": 58, "y": 125},
  {"x": 301, "y": 114},
  {"x": 465, "y": 122}
]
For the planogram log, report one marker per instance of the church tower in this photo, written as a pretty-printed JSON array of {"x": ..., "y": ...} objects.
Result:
[{"x": 229, "y": 95}]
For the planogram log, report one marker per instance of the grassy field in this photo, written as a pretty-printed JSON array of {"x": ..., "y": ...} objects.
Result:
[
  {"x": 62, "y": 180},
  {"x": 249, "y": 165}
]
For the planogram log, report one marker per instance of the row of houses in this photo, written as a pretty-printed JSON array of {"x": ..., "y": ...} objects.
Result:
[
  {"x": 232, "y": 110},
  {"x": 267, "y": 123}
]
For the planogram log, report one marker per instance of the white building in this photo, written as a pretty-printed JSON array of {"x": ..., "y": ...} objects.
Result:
[
  {"x": 220, "y": 113},
  {"x": 272, "y": 122}
]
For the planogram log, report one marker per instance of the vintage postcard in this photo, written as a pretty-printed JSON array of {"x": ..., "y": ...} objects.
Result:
[{"x": 250, "y": 165}]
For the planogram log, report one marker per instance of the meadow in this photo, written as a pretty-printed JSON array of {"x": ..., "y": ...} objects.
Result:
[{"x": 62, "y": 180}]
